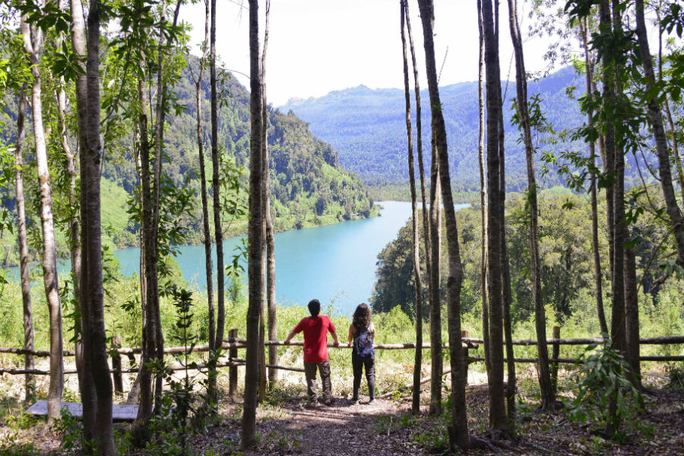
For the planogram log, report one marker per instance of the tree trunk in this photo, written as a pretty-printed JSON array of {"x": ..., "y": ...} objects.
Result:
[
  {"x": 435, "y": 298},
  {"x": 483, "y": 187},
  {"x": 150, "y": 266},
  {"x": 29, "y": 363},
  {"x": 655, "y": 116},
  {"x": 632, "y": 347},
  {"x": 33, "y": 42},
  {"x": 418, "y": 362},
  {"x": 615, "y": 163},
  {"x": 92, "y": 297},
  {"x": 85, "y": 381},
  {"x": 497, "y": 412},
  {"x": 270, "y": 235},
  {"x": 598, "y": 276},
  {"x": 545, "y": 384},
  {"x": 209, "y": 267},
  {"x": 255, "y": 233},
  {"x": 418, "y": 290},
  {"x": 218, "y": 230},
  {"x": 455, "y": 278}
]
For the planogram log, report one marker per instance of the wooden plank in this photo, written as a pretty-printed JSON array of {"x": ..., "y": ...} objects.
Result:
[{"x": 120, "y": 412}]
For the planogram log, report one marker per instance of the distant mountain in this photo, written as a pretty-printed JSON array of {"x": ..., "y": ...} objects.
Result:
[{"x": 367, "y": 127}]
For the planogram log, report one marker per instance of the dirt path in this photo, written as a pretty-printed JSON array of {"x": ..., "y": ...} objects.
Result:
[{"x": 342, "y": 429}]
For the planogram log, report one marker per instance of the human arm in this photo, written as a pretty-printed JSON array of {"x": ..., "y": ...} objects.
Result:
[
  {"x": 289, "y": 337},
  {"x": 350, "y": 337}
]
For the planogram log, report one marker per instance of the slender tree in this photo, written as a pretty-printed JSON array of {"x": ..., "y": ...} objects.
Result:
[
  {"x": 33, "y": 44},
  {"x": 598, "y": 276},
  {"x": 418, "y": 289},
  {"x": 460, "y": 436},
  {"x": 29, "y": 363},
  {"x": 656, "y": 119},
  {"x": 85, "y": 382},
  {"x": 483, "y": 185},
  {"x": 216, "y": 187},
  {"x": 544, "y": 373},
  {"x": 92, "y": 292},
  {"x": 497, "y": 408},
  {"x": 268, "y": 221},
  {"x": 255, "y": 233}
]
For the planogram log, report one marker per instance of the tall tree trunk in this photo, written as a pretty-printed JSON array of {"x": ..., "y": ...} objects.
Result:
[
  {"x": 150, "y": 265},
  {"x": 418, "y": 289},
  {"x": 497, "y": 407},
  {"x": 33, "y": 42},
  {"x": 209, "y": 267},
  {"x": 29, "y": 363},
  {"x": 656, "y": 118},
  {"x": 270, "y": 235},
  {"x": 615, "y": 163},
  {"x": 598, "y": 276},
  {"x": 455, "y": 278},
  {"x": 203, "y": 180},
  {"x": 92, "y": 295},
  {"x": 85, "y": 381},
  {"x": 216, "y": 187},
  {"x": 255, "y": 233},
  {"x": 418, "y": 362},
  {"x": 545, "y": 385},
  {"x": 483, "y": 186},
  {"x": 435, "y": 298}
]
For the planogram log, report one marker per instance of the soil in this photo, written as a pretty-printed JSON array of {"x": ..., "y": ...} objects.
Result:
[{"x": 386, "y": 427}]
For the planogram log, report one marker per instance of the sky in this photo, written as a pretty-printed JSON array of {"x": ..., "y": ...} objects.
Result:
[{"x": 319, "y": 46}]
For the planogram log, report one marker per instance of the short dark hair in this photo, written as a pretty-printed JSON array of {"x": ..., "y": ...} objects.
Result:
[{"x": 314, "y": 307}]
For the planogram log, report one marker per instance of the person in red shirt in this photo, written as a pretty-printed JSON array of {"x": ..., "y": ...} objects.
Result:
[{"x": 315, "y": 330}]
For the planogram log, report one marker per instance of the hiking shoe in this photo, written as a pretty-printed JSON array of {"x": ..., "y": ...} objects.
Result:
[
  {"x": 328, "y": 402},
  {"x": 311, "y": 404},
  {"x": 354, "y": 402},
  {"x": 371, "y": 402}
]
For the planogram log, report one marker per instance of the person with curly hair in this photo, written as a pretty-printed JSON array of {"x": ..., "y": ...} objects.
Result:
[{"x": 361, "y": 338}]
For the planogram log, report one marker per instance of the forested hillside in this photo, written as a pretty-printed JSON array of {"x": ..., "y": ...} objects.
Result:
[
  {"x": 368, "y": 128},
  {"x": 308, "y": 184}
]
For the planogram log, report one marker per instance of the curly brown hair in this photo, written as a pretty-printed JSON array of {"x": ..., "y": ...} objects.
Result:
[{"x": 362, "y": 316}]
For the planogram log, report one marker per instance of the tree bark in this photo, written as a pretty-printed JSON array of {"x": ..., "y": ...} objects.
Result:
[
  {"x": 598, "y": 276},
  {"x": 497, "y": 408},
  {"x": 656, "y": 118},
  {"x": 483, "y": 186},
  {"x": 455, "y": 277},
  {"x": 270, "y": 235},
  {"x": 209, "y": 267},
  {"x": 218, "y": 230},
  {"x": 255, "y": 233},
  {"x": 85, "y": 381},
  {"x": 92, "y": 295},
  {"x": 33, "y": 42},
  {"x": 546, "y": 386},
  {"x": 418, "y": 289},
  {"x": 29, "y": 363}
]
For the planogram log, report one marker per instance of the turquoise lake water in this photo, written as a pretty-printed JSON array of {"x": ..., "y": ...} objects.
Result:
[{"x": 334, "y": 264}]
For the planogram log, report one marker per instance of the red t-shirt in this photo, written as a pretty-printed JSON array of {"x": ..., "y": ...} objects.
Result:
[{"x": 315, "y": 337}]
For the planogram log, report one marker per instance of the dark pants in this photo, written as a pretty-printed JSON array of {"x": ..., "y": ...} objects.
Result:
[
  {"x": 359, "y": 363},
  {"x": 310, "y": 373}
]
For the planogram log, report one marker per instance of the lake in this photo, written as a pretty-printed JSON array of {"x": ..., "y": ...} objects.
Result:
[{"x": 334, "y": 264}]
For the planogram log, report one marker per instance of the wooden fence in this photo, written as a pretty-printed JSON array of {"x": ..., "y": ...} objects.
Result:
[{"x": 233, "y": 343}]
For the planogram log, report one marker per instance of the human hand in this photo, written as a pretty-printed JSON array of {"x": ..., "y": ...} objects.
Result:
[{"x": 336, "y": 343}]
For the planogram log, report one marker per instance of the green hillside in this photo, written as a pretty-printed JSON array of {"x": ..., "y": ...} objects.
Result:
[{"x": 308, "y": 185}]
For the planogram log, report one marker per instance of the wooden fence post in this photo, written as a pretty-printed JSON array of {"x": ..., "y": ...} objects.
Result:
[
  {"x": 116, "y": 364},
  {"x": 233, "y": 370},
  {"x": 465, "y": 359},
  {"x": 555, "y": 355}
]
